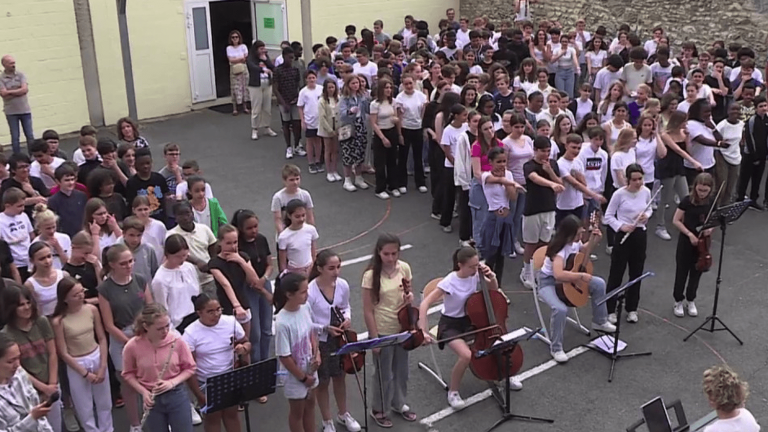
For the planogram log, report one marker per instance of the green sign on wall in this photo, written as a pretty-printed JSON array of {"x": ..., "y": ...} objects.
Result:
[{"x": 269, "y": 23}]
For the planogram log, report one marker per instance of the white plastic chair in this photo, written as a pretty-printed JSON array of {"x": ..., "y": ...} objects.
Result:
[{"x": 434, "y": 371}]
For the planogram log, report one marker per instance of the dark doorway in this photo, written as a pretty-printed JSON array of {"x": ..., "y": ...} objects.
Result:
[{"x": 227, "y": 16}]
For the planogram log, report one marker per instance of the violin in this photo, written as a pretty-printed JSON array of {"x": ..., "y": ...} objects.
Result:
[
  {"x": 704, "y": 262},
  {"x": 350, "y": 363},
  {"x": 408, "y": 317},
  {"x": 488, "y": 309}
]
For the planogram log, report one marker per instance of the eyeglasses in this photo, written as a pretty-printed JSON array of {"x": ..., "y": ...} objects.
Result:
[
  {"x": 235, "y": 37},
  {"x": 217, "y": 311}
]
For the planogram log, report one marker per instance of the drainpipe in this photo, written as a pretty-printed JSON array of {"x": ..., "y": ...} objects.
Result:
[
  {"x": 89, "y": 63},
  {"x": 306, "y": 28},
  {"x": 125, "y": 47}
]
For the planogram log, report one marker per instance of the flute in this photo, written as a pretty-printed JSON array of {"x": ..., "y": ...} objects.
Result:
[
  {"x": 159, "y": 378},
  {"x": 637, "y": 219}
]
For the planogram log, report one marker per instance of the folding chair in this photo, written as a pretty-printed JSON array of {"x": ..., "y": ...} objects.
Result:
[
  {"x": 435, "y": 370},
  {"x": 538, "y": 262}
]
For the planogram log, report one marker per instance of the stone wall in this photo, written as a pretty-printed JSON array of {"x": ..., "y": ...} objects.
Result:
[{"x": 701, "y": 21}]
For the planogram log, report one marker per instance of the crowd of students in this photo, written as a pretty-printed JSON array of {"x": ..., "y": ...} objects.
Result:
[{"x": 122, "y": 282}]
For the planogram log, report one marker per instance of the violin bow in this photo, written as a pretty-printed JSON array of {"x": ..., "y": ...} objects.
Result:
[{"x": 714, "y": 204}]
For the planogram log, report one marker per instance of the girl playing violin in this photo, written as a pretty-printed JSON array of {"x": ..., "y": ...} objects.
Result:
[
  {"x": 455, "y": 289},
  {"x": 329, "y": 305},
  {"x": 563, "y": 244},
  {"x": 691, "y": 213},
  {"x": 384, "y": 284}
]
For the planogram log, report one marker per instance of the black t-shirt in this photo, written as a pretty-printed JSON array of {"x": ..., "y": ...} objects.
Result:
[
  {"x": 695, "y": 215},
  {"x": 719, "y": 111},
  {"x": 258, "y": 251},
  {"x": 503, "y": 103},
  {"x": 154, "y": 188},
  {"x": 86, "y": 275},
  {"x": 539, "y": 199},
  {"x": 116, "y": 206},
  {"x": 37, "y": 185},
  {"x": 236, "y": 277},
  {"x": 501, "y": 134},
  {"x": 119, "y": 186},
  {"x": 6, "y": 259},
  {"x": 85, "y": 169}
]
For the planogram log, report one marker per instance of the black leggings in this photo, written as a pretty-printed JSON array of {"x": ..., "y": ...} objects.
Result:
[
  {"x": 630, "y": 254},
  {"x": 414, "y": 139},
  {"x": 436, "y": 167},
  {"x": 686, "y": 257}
]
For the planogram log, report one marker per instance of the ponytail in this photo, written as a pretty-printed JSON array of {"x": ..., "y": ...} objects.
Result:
[
  {"x": 321, "y": 260},
  {"x": 291, "y": 208},
  {"x": 109, "y": 255},
  {"x": 286, "y": 283},
  {"x": 462, "y": 255}
]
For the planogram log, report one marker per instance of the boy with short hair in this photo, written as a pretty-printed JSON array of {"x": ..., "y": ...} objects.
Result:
[
  {"x": 503, "y": 98},
  {"x": 3, "y": 169},
  {"x": 85, "y": 131},
  {"x": 747, "y": 103},
  {"x": 543, "y": 183},
  {"x": 201, "y": 242},
  {"x": 150, "y": 184},
  {"x": 172, "y": 172},
  {"x": 188, "y": 169},
  {"x": 79, "y": 186},
  {"x": 754, "y": 152},
  {"x": 16, "y": 229},
  {"x": 574, "y": 198},
  {"x": 364, "y": 66},
  {"x": 595, "y": 161},
  {"x": 44, "y": 164},
  {"x": 90, "y": 158},
  {"x": 52, "y": 138},
  {"x": 144, "y": 256},
  {"x": 287, "y": 80},
  {"x": 33, "y": 188},
  {"x": 607, "y": 76},
  {"x": 637, "y": 72},
  {"x": 68, "y": 203},
  {"x": 291, "y": 190}
]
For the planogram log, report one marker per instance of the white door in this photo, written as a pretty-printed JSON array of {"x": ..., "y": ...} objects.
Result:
[{"x": 200, "y": 50}]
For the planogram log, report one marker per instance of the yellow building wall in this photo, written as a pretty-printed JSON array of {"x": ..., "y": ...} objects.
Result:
[
  {"x": 329, "y": 17},
  {"x": 42, "y": 36}
]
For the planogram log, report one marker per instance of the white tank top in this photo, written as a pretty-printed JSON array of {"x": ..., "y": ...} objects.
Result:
[
  {"x": 615, "y": 131},
  {"x": 46, "y": 295}
]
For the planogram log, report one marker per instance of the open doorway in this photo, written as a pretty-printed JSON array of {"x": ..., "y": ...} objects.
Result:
[{"x": 227, "y": 16}]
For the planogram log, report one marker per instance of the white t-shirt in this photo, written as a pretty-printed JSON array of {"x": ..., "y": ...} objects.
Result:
[
  {"x": 568, "y": 250},
  {"x": 35, "y": 171},
  {"x": 385, "y": 114},
  {"x": 174, "y": 288},
  {"x": 79, "y": 159},
  {"x": 66, "y": 245},
  {"x": 595, "y": 167},
  {"x": 198, "y": 240},
  {"x": 581, "y": 42},
  {"x": 625, "y": 206},
  {"x": 736, "y": 74},
  {"x": 660, "y": 76},
  {"x": 411, "y": 106},
  {"x": 309, "y": 99},
  {"x": 182, "y": 189},
  {"x": 650, "y": 47},
  {"x": 732, "y": 135},
  {"x": 321, "y": 306},
  {"x": 684, "y": 106},
  {"x": 645, "y": 152},
  {"x": 293, "y": 331},
  {"x": 237, "y": 52},
  {"x": 705, "y": 155},
  {"x": 297, "y": 245},
  {"x": 596, "y": 59},
  {"x": 46, "y": 294},
  {"x": 582, "y": 109},
  {"x": 457, "y": 291},
  {"x": 154, "y": 236},
  {"x": 369, "y": 71},
  {"x": 212, "y": 346},
  {"x": 462, "y": 37},
  {"x": 282, "y": 197},
  {"x": 604, "y": 79},
  {"x": 570, "y": 198},
  {"x": 566, "y": 60},
  {"x": 107, "y": 240},
  {"x": 743, "y": 422},
  {"x": 619, "y": 162},
  {"x": 451, "y": 138},
  {"x": 15, "y": 231},
  {"x": 496, "y": 193}
]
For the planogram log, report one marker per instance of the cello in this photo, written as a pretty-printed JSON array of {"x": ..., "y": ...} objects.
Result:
[
  {"x": 408, "y": 317},
  {"x": 487, "y": 308}
]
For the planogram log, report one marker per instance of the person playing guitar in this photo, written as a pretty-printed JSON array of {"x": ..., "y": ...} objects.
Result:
[
  {"x": 555, "y": 271},
  {"x": 455, "y": 289}
]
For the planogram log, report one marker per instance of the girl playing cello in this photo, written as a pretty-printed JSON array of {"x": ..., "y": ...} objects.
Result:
[{"x": 455, "y": 289}]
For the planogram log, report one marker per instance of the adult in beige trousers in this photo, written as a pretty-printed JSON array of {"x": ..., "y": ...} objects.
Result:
[{"x": 260, "y": 68}]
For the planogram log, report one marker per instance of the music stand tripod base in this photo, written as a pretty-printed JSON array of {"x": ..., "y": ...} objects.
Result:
[
  {"x": 721, "y": 217},
  {"x": 614, "y": 355}
]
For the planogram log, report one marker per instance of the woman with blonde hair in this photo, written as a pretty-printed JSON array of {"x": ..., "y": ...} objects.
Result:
[
  {"x": 46, "y": 223},
  {"x": 727, "y": 394},
  {"x": 237, "y": 54}
]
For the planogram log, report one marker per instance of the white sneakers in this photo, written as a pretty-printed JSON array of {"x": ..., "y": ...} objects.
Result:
[
  {"x": 360, "y": 183},
  {"x": 383, "y": 195},
  {"x": 348, "y": 422},
  {"x": 680, "y": 312},
  {"x": 330, "y": 178},
  {"x": 608, "y": 250},
  {"x": 519, "y": 249},
  {"x": 423, "y": 189},
  {"x": 526, "y": 280},
  {"x": 403, "y": 190},
  {"x": 560, "y": 357},
  {"x": 604, "y": 327},
  {"x": 515, "y": 384},
  {"x": 271, "y": 133},
  {"x": 612, "y": 318},
  {"x": 661, "y": 232},
  {"x": 455, "y": 400},
  {"x": 196, "y": 419},
  {"x": 289, "y": 153},
  {"x": 255, "y": 134},
  {"x": 396, "y": 193},
  {"x": 349, "y": 186},
  {"x": 135, "y": 429},
  {"x": 328, "y": 426},
  {"x": 300, "y": 151},
  {"x": 632, "y": 317}
]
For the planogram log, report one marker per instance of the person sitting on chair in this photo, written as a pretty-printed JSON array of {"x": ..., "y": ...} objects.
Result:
[
  {"x": 727, "y": 394},
  {"x": 455, "y": 289},
  {"x": 563, "y": 244}
]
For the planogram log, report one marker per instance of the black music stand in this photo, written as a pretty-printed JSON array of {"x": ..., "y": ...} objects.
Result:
[
  {"x": 239, "y": 386},
  {"x": 367, "y": 345},
  {"x": 619, "y": 293},
  {"x": 503, "y": 352},
  {"x": 720, "y": 217}
]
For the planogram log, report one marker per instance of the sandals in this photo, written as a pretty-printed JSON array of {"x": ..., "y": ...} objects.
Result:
[
  {"x": 381, "y": 419},
  {"x": 406, "y": 412}
]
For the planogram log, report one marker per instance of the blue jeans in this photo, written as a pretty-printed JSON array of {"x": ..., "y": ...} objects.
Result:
[
  {"x": 478, "y": 206},
  {"x": 13, "y": 125},
  {"x": 261, "y": 324},
  {"x": 171, "y": 409},
  {"x": 517, "y": 210},
  {"x": 565, "y": 79},
  {"x": 549, "y": 296}
]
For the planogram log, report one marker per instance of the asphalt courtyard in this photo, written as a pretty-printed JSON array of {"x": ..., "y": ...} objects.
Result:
[{"x": 245, "y": 174}]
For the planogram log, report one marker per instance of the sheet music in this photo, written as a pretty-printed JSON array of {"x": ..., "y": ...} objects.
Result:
[{"x": 605, "y": 343}]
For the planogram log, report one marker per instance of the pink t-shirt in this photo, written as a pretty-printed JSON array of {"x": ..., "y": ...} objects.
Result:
[
  {"x": 485, "y": 165},
  {"x": 144, "y": 361}
]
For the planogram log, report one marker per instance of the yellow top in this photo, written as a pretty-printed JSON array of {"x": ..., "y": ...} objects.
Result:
[
  {"x": 390, "y": 297},
  {"x": 79, "y": 333}
]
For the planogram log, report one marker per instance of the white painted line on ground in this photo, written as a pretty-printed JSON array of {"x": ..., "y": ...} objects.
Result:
[{"x": 479, "y": 397}]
